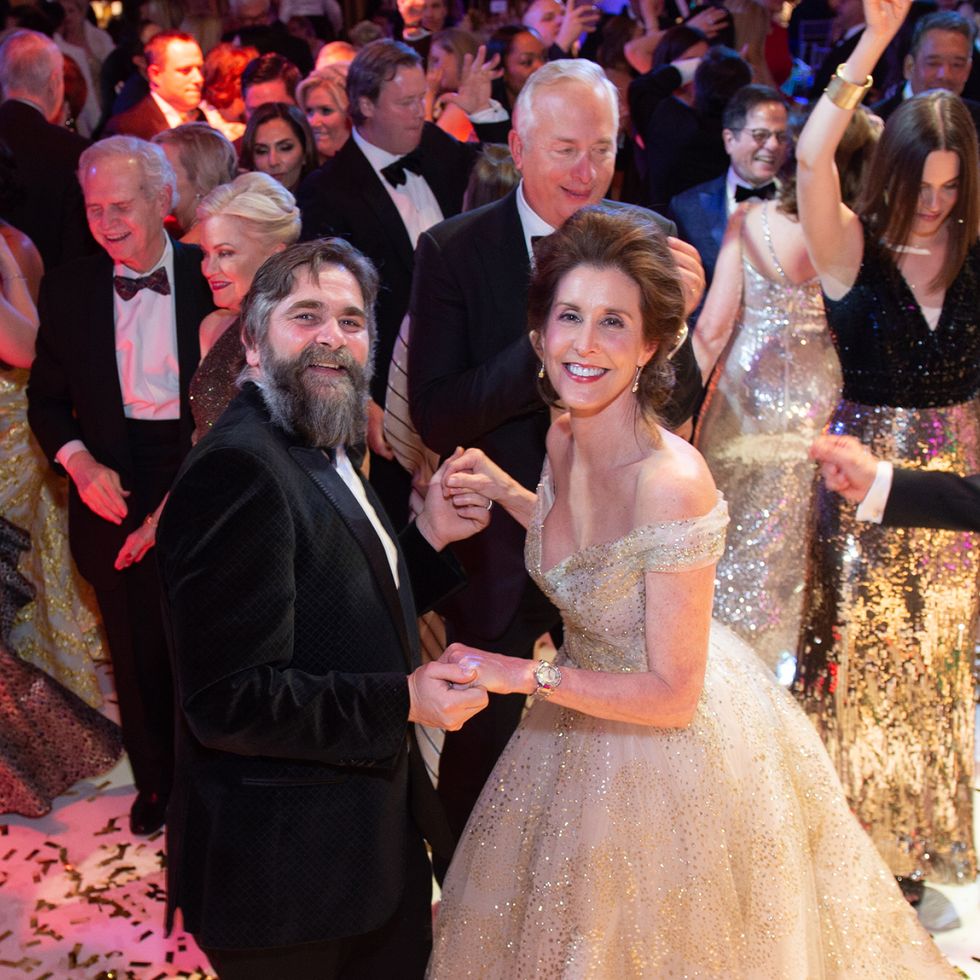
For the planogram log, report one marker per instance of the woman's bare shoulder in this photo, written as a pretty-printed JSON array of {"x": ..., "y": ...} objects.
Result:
[
  {"x": 213, "y": 326},
  {"x": 674, "y": 483}
]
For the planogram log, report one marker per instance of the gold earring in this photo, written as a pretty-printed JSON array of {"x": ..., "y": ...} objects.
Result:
[
  {"x": 541, "y": 372},
  {"x": 636, "y": 379}
]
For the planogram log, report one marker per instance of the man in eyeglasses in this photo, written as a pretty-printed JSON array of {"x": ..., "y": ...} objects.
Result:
[{"x": 756, "y": 134}]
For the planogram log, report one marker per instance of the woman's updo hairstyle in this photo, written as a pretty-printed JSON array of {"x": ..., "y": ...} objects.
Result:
[
  {"x": 628, "y": 240},
  {"x": 260, "y": 199}
]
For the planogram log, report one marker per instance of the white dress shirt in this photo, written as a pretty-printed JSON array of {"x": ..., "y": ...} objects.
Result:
[
  {"x": 345, "y": 470},
  {"x": 414, "y": 199},
  {"x": 872, "y": 508},
  {"x": 146, "y": 351},
  {"x": 173, "y": 117},
  {"x": 533, "y": 225}
]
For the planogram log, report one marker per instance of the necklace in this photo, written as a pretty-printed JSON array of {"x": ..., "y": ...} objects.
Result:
[{"x": 908, "y": 249}]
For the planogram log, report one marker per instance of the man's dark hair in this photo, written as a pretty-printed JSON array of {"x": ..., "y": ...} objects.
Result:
[
  {"x": 277, "y": 276},
  {"x": 720, "y": 75},
  {"x": 375, "y": 64},
  {"x": 942, "y": 20},
  {"x": 271, "y": 67},
  {"x": 744, "y": 101}
]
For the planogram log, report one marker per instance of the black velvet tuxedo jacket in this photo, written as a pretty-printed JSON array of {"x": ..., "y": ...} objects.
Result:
[
  {"x": 46, "y": 203},
  {"x": 928, "y": 498},
  {"x": 292, "y": 810},
  {"x": 345, "y": 197},
  {"x": 473, "y": 382},
  {"x": 74, "y": 390},
  {"x": 701, "y": 214}
]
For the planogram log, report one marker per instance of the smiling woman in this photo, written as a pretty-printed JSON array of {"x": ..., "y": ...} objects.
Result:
[
  {"x": 900, "y": 275},
  {"x": 278, "y": 141},
  {"x": 242, "y": 224}
]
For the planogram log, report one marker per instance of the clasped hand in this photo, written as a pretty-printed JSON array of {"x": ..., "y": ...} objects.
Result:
[{"x": 493, "y": 672}]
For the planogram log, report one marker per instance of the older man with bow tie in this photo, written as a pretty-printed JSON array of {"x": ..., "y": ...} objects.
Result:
[{"x": 116, "y": 348}]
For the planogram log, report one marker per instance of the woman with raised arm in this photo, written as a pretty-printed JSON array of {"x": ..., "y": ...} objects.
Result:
[
  {"x": 890, "y": 615},
  {"x": 776, "y": 385},
  {"x": 665, "y": 808}
]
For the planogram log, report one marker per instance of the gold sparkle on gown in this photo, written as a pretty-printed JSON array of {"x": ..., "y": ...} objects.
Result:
[
  {"x": 777, "y": 384},
  {"x": 59, "y": 631},
  {"x": 614, "y": 850},
  {"x": 890, "y": 614}
]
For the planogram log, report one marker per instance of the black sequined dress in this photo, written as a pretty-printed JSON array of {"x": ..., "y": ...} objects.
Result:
[
  {"x": 890, "y": 614},
  {"x": 49, "y": 737},
  {"x": 215, "y": 382}
]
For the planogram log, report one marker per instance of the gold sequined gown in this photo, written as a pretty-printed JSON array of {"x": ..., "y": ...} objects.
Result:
[
  {"x": 600, "y": 849},
  {"x": 49, "y": 737},
  {"x": 890, "y": 614},
  {"x": 59, "y": 631},
  {"x": 773, "y": 393}
]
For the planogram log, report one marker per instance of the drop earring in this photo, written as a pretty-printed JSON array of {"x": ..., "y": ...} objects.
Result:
[
  {"x": 541, "y": 372},
  {"x": 636, "y": 380}
]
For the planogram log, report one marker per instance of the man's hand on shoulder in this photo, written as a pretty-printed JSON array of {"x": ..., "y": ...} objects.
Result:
[
  {"x": 440, "y": 698},
  {"x": 447, "y": 518},
  {"x": 99, "y": 487}
]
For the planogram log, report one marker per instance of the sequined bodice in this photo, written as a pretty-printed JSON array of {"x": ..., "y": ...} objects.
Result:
[
  {"x": 600, "y": 589},
  {"x": 215, "y": 382},
  {"x": 888, "y": 354}
]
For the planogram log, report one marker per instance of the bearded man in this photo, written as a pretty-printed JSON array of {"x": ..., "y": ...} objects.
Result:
[{"x": 295, "y": 834}]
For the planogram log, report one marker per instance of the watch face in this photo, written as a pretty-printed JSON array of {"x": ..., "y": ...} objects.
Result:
[{"x": 547, "y": 675}]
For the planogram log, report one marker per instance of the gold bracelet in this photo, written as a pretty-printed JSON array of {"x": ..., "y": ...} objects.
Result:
[{"x": 845, "y": 94}]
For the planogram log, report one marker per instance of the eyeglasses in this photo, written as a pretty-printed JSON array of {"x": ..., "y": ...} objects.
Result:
[{"x": 762, "y": 136}]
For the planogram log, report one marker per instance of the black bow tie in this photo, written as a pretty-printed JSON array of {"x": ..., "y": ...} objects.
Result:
[
  {"x": 394, "y": 173},
  {"x": 766, "y": 192},
  {"x": 129, "y": 286}
]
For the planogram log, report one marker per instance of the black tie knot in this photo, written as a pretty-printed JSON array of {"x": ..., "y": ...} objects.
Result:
[
  {"x": 766, "y": 192},
  {"x": 129, "y": 286},
  {"x": 394, "y": 173}
]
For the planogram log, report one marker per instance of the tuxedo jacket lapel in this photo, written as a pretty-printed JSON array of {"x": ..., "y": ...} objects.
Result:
[
  {"x": 102, "y": 368},
  {"x": 377, "y": 198},
  {"x": 322, "y": 473}
]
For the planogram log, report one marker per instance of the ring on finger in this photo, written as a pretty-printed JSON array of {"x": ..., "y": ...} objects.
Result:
[{"x": 489, "y": 505}]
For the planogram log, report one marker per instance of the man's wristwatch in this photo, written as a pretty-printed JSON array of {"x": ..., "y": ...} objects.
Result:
[{"x": 547, "y": 676}]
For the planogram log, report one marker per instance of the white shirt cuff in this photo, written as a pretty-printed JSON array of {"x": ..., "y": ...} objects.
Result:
[
  {"x": 492, "y": 113},
  {"x": 872, "y": 508},
  {"x": 68, "y": 450}
]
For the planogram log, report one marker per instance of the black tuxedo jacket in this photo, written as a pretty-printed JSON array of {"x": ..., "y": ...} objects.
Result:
[
  {"x": 928, "y": 498},
  {"x": 345, "y": 197},
  {"x": 701, "y": 213},
  {"x": 143, "y": 120},
  {"x": 473, "y": 382},
  {"x": 46, "y": 203},
  {"x": 74, "y": 390},
  {"x": 292, "y": 810},
  {"x": 886, "y": 107}
]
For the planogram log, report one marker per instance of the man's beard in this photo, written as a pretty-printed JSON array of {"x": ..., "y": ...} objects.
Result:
[{"x": 323, "y": 412}]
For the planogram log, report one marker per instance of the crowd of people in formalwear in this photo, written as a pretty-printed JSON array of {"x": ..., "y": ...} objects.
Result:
[{"x": 369, "y": 371}]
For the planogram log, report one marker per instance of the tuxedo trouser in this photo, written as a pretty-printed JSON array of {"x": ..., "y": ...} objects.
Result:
[
  {"x": 133, "y": 620},
  {"x": 469, "y": 755},
  {"x": 400, "y": 948}
]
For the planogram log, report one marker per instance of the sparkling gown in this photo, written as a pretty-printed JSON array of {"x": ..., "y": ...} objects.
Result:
[
  {"x": 59, "y": 631},
  {"x": 776, "y": 388},
  {"x": 614, "y": 850},
  {"x": 215, "y": 382},
  {"x": 890, "y": 614},
  {"x": 49, "y": 737}
]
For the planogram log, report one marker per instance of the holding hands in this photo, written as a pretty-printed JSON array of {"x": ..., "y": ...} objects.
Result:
[
  {"x": 493, "y": 672},
  {"x": 471, "y": 479},
  {"x": 443, "y": 519}
]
